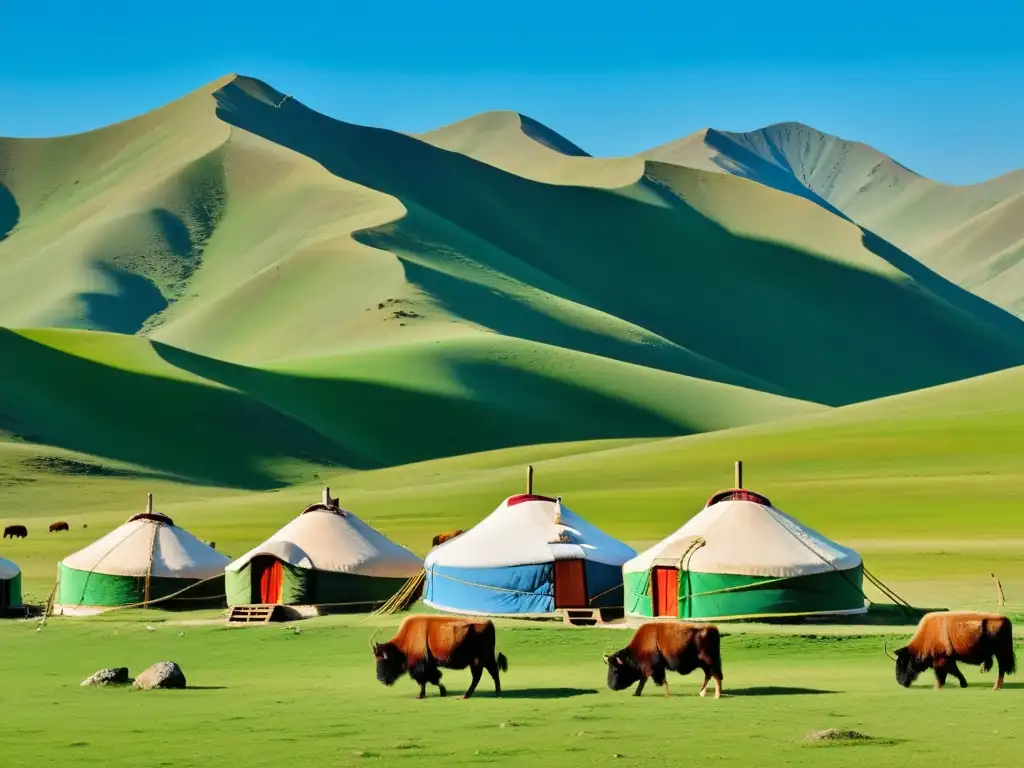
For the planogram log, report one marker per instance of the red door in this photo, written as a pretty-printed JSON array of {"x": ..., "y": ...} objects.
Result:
[
  {"x": 570, "y": 584},
  {"x": 268, "y": 576},
  {"x": 666, "y": 591}
]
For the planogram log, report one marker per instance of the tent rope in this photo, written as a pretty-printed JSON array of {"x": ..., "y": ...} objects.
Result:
[{"x": 402, "y": 599}]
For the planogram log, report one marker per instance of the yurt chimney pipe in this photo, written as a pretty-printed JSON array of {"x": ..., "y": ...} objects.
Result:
[
  {"x": 327, "y": 496},
  {"x": 739, "y": 474},
  {"x": 529, "y": 479},
  {"x": 149, "y": 503}
]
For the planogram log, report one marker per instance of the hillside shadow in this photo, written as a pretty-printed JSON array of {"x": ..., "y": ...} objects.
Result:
[
  {"x": 774, "y": 690},
  {"x": 10, "y": 212},
  {"x": 509, "y": 407},
  {"x": 125, "y": 309},
  {"x": 812, "y": 327},
  {"x": 190, "y": 431}
]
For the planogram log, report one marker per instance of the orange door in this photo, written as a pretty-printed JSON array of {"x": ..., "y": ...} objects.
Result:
[
  {"x": 666, "y": 591},
  {"x": 570, "y": 584},
  {"x": 269, "y": 576}
]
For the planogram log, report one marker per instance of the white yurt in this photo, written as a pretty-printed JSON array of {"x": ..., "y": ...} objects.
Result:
[
  {"x": 740, "y": 557},
  {"x": 140, "y": 562},
  {"x": 532, "y": 556},
  {"x": 326, "y": 557}
]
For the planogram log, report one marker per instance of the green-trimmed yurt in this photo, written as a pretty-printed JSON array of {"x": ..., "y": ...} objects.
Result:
[
  {"x": 741, "y": 558},
  {"x": 10, "y": 586},
  {"x": 325, "y": 557},
  {"x": 140, "y": 562}
]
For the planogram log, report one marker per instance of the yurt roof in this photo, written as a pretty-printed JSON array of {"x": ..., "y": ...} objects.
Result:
[
  {"x": 128, "y": 549},
  {"x": 528, "y": 529},
  {"x": 8, "y": 569},
  {"x": 746, "y": 538},
  {"x": 327, "y": 538}
]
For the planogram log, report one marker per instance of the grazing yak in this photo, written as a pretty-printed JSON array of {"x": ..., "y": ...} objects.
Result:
[
  {"x": 441, "y": 538},
  {"x": 424, "y": 643},
  {"x": 58, "y": 526},
  {"x": 944, "y": 638},
  {"x": 16, "y": 531},
  {"x": 658, "y": 647}
]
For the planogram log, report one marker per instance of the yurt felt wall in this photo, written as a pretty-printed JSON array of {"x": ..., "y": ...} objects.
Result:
[
  {"x": 531, "y": 556},
  {"x": 10, "y": 585},
  {"x": 740, "y": 558}
]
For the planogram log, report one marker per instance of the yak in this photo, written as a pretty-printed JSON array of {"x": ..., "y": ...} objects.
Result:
[
  {"x": 58, "y": 526},
  {"x": 16, "y": 531},
  {"x": 658, "y": 647},
  {"x": 441, "y": 538},
  {"x": 424, "y": 643},
  {"x": 944, "y": 638}
]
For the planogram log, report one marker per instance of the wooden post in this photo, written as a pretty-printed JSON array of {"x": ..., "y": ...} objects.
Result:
[
  {"x": 739, "y": 474},
  {"x": 152, "y": 551},
  {"x": 529, "y": 479},
  {"x": 1000, "y": 597}
]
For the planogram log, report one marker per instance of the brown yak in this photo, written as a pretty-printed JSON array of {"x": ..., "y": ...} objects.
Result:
[
  {"x": 944, "y": 638},
  {"x": 58, "y": 526},
  {"x": 660, "y": 646},
  {"x": 424, "y": 643},
  {"x": 441, "y": 538},
  {"x": 16, "y": 531}
]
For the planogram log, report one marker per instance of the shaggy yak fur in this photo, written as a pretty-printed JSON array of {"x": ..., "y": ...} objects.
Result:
[
  {"x": 658, "y": 647},
  {"x": 425, "y": 643},
  {"x": 441, "y": 538},
  {"x": 59, "y": 526},
  {"x": 16, "y": 531},
  {"x": 944, "y": 638}
]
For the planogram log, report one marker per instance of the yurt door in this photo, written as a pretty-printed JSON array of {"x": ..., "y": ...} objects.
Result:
[
  {"x": 268, "y": 577},
  {"x": 570, "y": 584},
  {"x": 666, "y": 591}
]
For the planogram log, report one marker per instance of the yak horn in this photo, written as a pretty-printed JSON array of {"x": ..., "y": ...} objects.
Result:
[
  {"x": 606, "y": 657},
  {"x": 373, "y": 636},
  {"x": 887, "y": 650}
]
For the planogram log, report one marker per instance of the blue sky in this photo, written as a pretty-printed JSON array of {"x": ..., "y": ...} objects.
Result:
[{"x": 938, "y": 86}]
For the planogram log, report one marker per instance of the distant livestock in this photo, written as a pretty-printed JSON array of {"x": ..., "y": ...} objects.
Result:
[
  {"x": 211, "y": 544},
  {"x": 16, "y": 531},
  {"x": 441, "y": 538},
  {"x": 658, "y": 647},
  {"x": 424, "y": 643},
  {"x": 944, "y": 638},
  {"x": 58, "y": 526}
]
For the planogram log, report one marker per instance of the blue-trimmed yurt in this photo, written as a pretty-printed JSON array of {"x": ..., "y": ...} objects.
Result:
[{"x": 532, "y": 556}]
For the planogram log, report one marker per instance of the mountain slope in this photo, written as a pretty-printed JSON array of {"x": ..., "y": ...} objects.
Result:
[
  {"x": 973, "y": 235},
  {"x": 279, "y": 246}
]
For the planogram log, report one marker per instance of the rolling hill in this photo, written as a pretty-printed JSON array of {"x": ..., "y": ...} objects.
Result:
[
  {"x": 973, "y": 235},
  {"x": 237, "y": 292}
]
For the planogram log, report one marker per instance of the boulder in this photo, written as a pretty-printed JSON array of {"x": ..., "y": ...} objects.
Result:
[
  {"x": 163, "y": 674},
  {"x": 112, "y": 676}
]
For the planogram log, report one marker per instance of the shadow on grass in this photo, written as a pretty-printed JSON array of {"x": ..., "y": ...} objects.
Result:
[
  {"x": 206, "y": 688},
  {"x": 541, "y": 693},
  {"x": 773, "y": 690}
]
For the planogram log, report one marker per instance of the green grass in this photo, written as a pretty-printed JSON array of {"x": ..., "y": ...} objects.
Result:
[{"x": 263, "y": 695}]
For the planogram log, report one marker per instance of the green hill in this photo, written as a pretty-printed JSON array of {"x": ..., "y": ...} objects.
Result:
[{"x": 973, "y": 235}]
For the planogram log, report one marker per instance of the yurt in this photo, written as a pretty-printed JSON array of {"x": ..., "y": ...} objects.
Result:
[
  {"x": 146, "y": 559},
  {"x": 741, "y": 558},
  {"x": 532, "y": 556},
  {"x": 325, "y": 557},
  {"x": 10, "y": 586}
]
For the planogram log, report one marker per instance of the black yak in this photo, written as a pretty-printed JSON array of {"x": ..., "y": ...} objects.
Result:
[{"x": 16, "y": 531}]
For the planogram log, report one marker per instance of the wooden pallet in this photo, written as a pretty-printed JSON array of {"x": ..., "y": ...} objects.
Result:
[{"x": 261, "y": 613}]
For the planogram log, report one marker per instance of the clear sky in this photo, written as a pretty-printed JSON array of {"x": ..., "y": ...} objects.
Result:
[{"x": 938, "y": 86}]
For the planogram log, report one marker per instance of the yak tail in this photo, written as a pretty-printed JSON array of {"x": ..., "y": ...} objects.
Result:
[
  {"x": 1004, "y": 650},
  {"x": 502, "y": 662}
]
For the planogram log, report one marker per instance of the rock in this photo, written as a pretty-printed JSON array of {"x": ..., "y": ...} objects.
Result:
[
  {"x": 113, "y": 676},
  {"x": 163, "y": 674}
]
